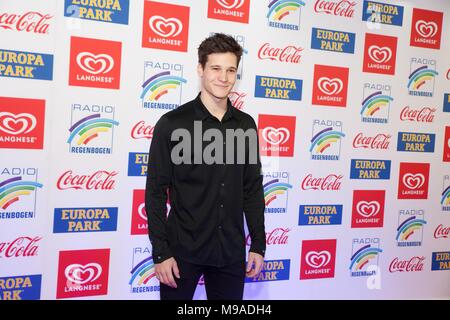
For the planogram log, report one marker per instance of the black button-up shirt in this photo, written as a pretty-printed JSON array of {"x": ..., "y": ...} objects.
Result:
[{"x": 208, "y": 202}]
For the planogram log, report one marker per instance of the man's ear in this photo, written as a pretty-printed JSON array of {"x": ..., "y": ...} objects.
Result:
[{"x": 200, "y": 70}]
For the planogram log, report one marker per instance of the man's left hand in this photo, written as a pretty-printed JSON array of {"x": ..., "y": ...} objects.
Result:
[{"x": 254, "y": 264}]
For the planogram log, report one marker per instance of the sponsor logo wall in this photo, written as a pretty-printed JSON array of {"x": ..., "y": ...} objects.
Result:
[{"x": 352, "y": 103}]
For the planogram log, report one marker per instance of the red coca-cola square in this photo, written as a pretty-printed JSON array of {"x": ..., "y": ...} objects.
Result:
[
  {"x": 139, "y": 224},
  {"x": 380, "y": 54},
  {"x": 82, "y": 273},
  {"x": 318, "y": 259},
  {"x": 165, "y": 26},
  {"x": 95, "y": 63},
  {"x": 368, "y": 208},
  {"x": 446, "y": 152},
  {"x": 22, "y": 123},
  {"x": 276, "y": 135},
  {"x": 426, "y": 28},
  {"x": 330, "y": 86},
  {"x": 413, "y": 180},
  {"x": 231, "y": 10}
]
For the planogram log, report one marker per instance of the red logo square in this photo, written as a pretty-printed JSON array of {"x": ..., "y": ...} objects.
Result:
[
  {"x": 83, "y": 273},
  {"x": 330, "y": 86},
  {"x": 413, "y": 180},
  {"x": 318, "y": 259},
  {"x": 276, "y": 135},
  {"x": 380, "y": 54},
  {"x": 368, "y": 208},
  {"x": 231, "y": 10},
  {"x": 22, "y": 123},
  {"x": 446, "y": 153},
  {"x": 166, "y": 26},
  {"x": 426, "y": 28},
  {"x": 139, "y": 224},
  {"x": 95, "y": 63}
]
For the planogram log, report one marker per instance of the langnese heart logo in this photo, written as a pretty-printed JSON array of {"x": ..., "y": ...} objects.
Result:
[
  {"x": 368, "y": 209},
  {"x": 17, "y": 123},
  {"x": 95, "y": 64},
  {"x": 81, "y": 274},
  {"x": 318, "y": 259},
  {"x": 275, "y": 136},
  {"x": 413, "y": 181},
  {"x": 426, "y": 29},
  {"x": 141, "y": 211},
  {"x": 330, "y": 86},
  {"x": 236, "y": 4},
  {"x": 163, "y": 27},
  {"x": 380, "y": 54}
]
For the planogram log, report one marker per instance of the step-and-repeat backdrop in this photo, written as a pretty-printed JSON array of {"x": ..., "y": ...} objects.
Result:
[{"x": 352, "y": 102}]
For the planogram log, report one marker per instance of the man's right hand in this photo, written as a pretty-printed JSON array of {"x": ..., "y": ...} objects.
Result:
[{"x": 166, "y": 270}]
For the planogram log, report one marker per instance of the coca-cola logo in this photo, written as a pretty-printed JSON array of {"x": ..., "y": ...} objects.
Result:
[
  {"x": 330, "y": 86},
  {"x": 95, "y": 64},
  {"x": 448, "y": 74},
  {"x": 275, "y": 136},
  {"x": 425, "y": 114},
  {"x": 99, "y": 180},
  {"x": 426, "y": 29},
  {"x": 31, "y": 21},
  {"x": 380, "y": 141},
  {"x": 17, "y": 123},
  {"x": 170, "y": 27},
  {"x": 20, "y": 247},
  {"x": 233, "y": 4},
  {"x": 442, "y": 232},
  {"x": 343, "y": 8},
  {"x": 318, "y": 259},
  {"x": 237, "y": 99},
  {"x": 278, "y": 236},
  {"x": 368, "y": 209},
  {"x": 141, "y": 130},
  {"x": 413, "y": 181},
  {"x": 332, "y": 182},
  {"x": 289, "y": 54},
  {"x": 81, "y": 274},
  {"x": 411, "y": 265},
  {"x": 380, "y": 54}
]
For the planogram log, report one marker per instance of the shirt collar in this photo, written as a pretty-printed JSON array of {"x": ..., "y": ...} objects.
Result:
[{"x": 203, "y": 113}]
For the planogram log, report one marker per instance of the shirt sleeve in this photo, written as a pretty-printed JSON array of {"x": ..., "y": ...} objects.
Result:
[
  {"x": 254, "y": 203},
  {"x": 159, "y": 173}
]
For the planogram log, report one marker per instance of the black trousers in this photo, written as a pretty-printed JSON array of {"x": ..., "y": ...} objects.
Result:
[{"x": 221, "y": 283}]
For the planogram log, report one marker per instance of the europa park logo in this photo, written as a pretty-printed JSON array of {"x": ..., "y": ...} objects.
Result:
[{"x": 426, "y": 28}]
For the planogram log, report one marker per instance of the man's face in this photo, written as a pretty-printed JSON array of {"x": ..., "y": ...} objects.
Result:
[{"x": 219, "y": 74}]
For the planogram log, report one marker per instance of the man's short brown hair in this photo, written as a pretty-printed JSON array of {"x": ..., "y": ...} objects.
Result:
[{"x": 218, "y": 43}]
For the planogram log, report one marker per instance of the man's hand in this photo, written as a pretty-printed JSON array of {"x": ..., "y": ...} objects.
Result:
[
  {"x": 254, "y": 264},
  {"x": 165, "y": 271}
]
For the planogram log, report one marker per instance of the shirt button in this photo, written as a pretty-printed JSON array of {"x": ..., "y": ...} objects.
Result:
[
  {"x": 222, "y": 184},
  {"x": 220, "y": 227},
  {"x": 221, "y": 205}
]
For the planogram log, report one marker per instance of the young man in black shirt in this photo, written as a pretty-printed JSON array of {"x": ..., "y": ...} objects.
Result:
[{"x": 204, "y": 157}]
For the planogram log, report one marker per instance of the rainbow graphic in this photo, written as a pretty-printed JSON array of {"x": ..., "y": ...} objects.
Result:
[
  {"x": 274, "y": 188},
  {"x": 160, "y": 84},
  {"x": 419, "y": 76},
  {"x": 144, "y": 271},
  {"x": 445, "y": 200},
  {"x": 408, "y": 227},
  {"x": 375, "y": 102},
  {"x": 363, "y": 255},
  {"x": 89, "y": 128},
  {"x": 278, "y": 9},
  {"x": 323, "y": 140},
  {"x": 12, "y": 189}
]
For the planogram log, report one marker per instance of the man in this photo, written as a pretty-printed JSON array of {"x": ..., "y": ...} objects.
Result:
[{"x": 209, "y": 192}]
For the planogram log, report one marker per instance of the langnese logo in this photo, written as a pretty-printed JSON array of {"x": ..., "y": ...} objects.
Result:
[
  {"x": 440, "y": 261},
  {"x": 333, "y": 40},
  {"x": 99, "y": 180},
  {"x": 276, "y": 135},
  {"x": 83, "y": 273},
  {"x": 137, "y": 164},
  {"x": 380, "y": 12},
  {"x": 241, "y": 40},
  {"x": 284, "y": 15},
  {"x": 272, "y": 270},
  {"x": 21, "y": 247},
  {"x": 326, "y": 140},
  {"x": 376, "y": 103},
  {"x": 330, "y": 86},
  {"x": 95, "y": 63},
  {"x": 339, "y": 8},
  {"x": 22, "y": 123},
  {"x": 26, "y": 287},
  {"x": 414, "y": 264},
  {"x": 332, "y": 182},
  {"x": 416, "y": 142},
  {"x": 446, "y": 152},
  {"x": 95, "y": 219},
  {"x": 29, "y": 22},
  {"x": 142, "y": 130},
  {"x": 162, "y": 86},
  {"x": 445, "y": 196},
  {"x": 320, "y": 215},
  {"x": 276, "y": 190},
  {"x": 318, "y": 259},
  {"x": 365, "y": 257},
  {"x": 229, "y": 10},
  {"x": 422, "y": 74},
  {"x": 368, "y": 208},
  {"x": 420, "y": 114},
  {"x": 278, "y": 88},
  {"x": 139, "y": 222},
  {"x": 112, "y": 11},
  {"x": 91, "y": 129},
  {"x": 380, "y": 141},
  {"x": 165, "y": 26},
  {"x": 18, "y": 193},
  {"x": 370, "y": 169},
  {"x": 143, "y": 276},
  {"x": 413, "y": 180},
  {"x": 380, "y": 54},
  {"x": 26, "y": 65},
  {"x": 446, "y": 104},
  {"x": 410, "y": 228},
  {"x": 288, "y": 54},
  {"x": 426, "y": 28}
]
